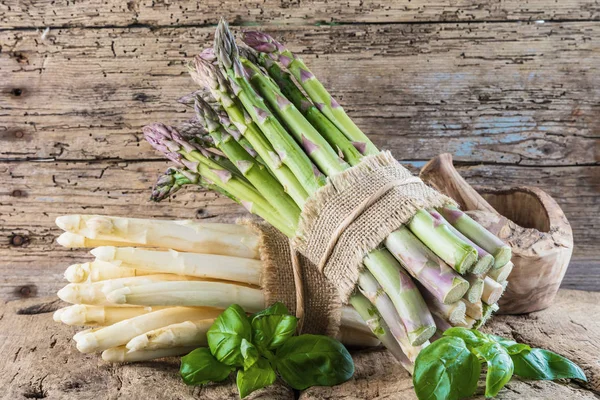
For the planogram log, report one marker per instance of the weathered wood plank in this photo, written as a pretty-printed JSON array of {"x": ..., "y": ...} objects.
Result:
[
  {"x": 40, "y": 361},
  {"x": 564, "y": 328},
  {"x": 34, "y": 194},
  {"x": 500, "y": 93},
  {"x": 15, "y": 13}
]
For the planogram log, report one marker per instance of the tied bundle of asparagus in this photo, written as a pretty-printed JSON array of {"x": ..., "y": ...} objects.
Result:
[
  {"x": 155, "y": 287},
  {"x": 267, "y": 134}
]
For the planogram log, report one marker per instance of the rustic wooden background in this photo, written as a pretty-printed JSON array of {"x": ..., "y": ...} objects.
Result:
[{"x": 510, "y": 88}]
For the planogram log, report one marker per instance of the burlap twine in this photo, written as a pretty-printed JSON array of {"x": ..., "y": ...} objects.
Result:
[
  {"x": 306, "y": 293},
  {"x": 340, "y": 224}
]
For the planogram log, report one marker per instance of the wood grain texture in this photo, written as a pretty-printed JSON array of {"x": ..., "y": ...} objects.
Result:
[
  {"x": 42, "y": 362},
  {"x": 577, "y": 337},
  {"x": 34, "y": 194},
  {"x": 21, "y": 14},
  {"x": 497, "y": 93}
]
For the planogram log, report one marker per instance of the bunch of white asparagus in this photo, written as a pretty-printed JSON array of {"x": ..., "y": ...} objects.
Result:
[{"x": 156, "y": 286}]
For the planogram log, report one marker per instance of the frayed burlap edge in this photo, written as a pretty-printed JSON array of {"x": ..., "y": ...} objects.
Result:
[
  {"x": 328, "y": 207},
  {"x": 322, "y": 305}
]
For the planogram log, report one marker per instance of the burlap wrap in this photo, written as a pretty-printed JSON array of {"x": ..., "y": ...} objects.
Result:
[
  {"x": 317, "y": 303},
  {"x": 379, "y": 195}
]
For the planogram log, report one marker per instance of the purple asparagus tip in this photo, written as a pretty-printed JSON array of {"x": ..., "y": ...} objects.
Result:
[
  {"x": 282, "y": 102},
  {"x": 334, "y": 103},
  {"x": 249, "y": 72},
  {"x": 306, "y": 75},
  {"x": 260, "y": 41},
  {"x": 261, "y": 114},
  {"x": 223, "y": 174},
  {"x": 360, "y": 146},
  {"x": 309, "y": 146},
  {"x": 208, "y": 54},
  {"x": 305, "y": 105},
  {"x": 244, "y": 165},
  {"x": 191, "y": 165},
  {"x": 285, "y": 60},
  {"x": 225, "y": 47}
]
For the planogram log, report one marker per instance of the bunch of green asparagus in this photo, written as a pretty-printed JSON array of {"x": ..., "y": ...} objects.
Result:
[
  {"x": 267, "y": 134},
  {"x": 155, "y": 287}
]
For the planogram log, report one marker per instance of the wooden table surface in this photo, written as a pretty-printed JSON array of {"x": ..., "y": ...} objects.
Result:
[{"x": 509, "y": 88}]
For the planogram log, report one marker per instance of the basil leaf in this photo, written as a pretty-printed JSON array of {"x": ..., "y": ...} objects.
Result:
[
  {"x": 258, "y": 376},
  {"x": 313, "y": 360},
  {"x": 200, "y": 367},
  {"x": 518, "y": 348},
  {"x": 546, "y": 365},
  {"x": 499, "y": 367},
  {"x": 275, "y": 309},
  {"x": 472, "y": 337},
  {"x": 226, "y": 334},
  {"x": 249, "y": 353},
  {"x": 504, "y": 342},
  {"x": 446, "y": 370},
  {"x": 271, "y": 331}
]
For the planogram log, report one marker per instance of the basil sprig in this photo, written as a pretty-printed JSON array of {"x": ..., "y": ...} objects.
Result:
[
  {"x": 263, "y": 346},
  {"x": 449, "y": 368}
]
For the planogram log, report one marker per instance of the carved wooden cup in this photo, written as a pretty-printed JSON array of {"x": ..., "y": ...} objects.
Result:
[{"x": 526, "y": 218}]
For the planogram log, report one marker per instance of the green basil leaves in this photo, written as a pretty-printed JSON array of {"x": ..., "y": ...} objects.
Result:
[
  {"x": 313, "y": 360},
  {"x": 449, "y": 368},
  {"x": 261, "y": 347}
]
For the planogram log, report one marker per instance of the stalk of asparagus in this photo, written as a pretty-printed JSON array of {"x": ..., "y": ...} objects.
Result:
[
  {"x": 476, "y": 288},
  {"x": 433, "y": 273},
  {"x": 501, "y": 274},
  {"x": 478, "y": 234},
  {"x": 122, "y": 354},
  {"x": 96, "y": 271},
  {"x": 404, "y": 294},
  {"x": 224, "y": 239},
  {"x": 317, "y": 148},
  {"x": 183, "y": 153},
  {"x": 351, "y": 337},
  {"x": 183, "y": 334},
  {"x": 455, "y": 252},
  {"x": 336, "y": 139},
  {"x": 208, "y": 75},
  {"x": 485, "y": 260},
  {"x": 122, "y": 332},
  {"x": 370, "y": 288},
  {"x": 474, "y": 310},
  {"x": 378, "y": 326},
  {"x": 81, "y": 314},
  {"x": 258, "y": 176},
  {"x": 454, "y": 313},
  {"x": 289, "y": 151},
  {"x": 198, "y": 293},
  {"x": 492, "y": 291},
  {"x": 239, "y": 269},
  {"x": 353, "y": 320},
  {"x": 315, "y": 90}
]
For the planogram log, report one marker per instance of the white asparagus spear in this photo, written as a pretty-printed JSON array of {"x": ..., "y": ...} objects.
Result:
[
  {"x": 235, "y": 269},
  {"x": 95, "y": 293},
  {"x": 81, "y": 314},
  {"x": 58, "y": 314},
  {"x": 186, "y": 235},
  {"x": 357, "y": 338},
  {"x": 121, "y": 354},
  {"x": 454, "y": 313},
  {"x": 79, "y": 334},
  {"x": 193, "y": 293},
  {"x": 96, "y": 271},
  {"x": 475, "y": 291},
  {"x": 122, "y": 332},
  {"x": 75, "y": 241},
  {"x": 183, "y": 334},
  {"x": 352, "y": 319},
  {"x": 492, "y": 291},
  {"x": 468, "y": 322},
  {"x": 474, "y": 310},
  {"x": 500, "y": 275}
]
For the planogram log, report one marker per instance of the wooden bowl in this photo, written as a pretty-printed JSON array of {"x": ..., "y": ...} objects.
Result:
[{"x": 526, "y": 218}]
